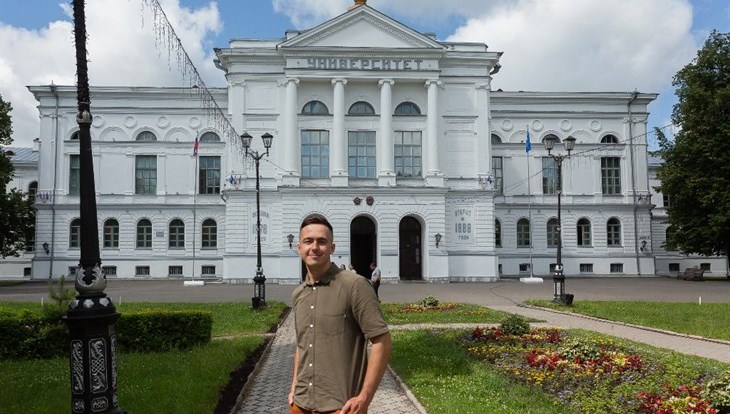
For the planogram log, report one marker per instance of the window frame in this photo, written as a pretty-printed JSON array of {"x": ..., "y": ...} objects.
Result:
[
  {"x": 414, "y": 156},
  {"x": 523, "y": 233},
  {"x": 74, "y": 174},
  {"x": 611, "y": 175},
  {"x": 74, "y": 234},
  {"x": 111, "y": 234},
  {"x": 583, "y": 232},
  {"x": 209, "y": 234},
  {"x": 613, "y": 232},
  {"x": 309, "y": 147},
  {"x": 550, "y": 181},
  {"x": 176, "y": 234},
  {"x": 314, "y": 107},
  {"x": 209, "y": 176},
  {"x": 368, "y": 156},
  {"x": 497, "y": 233},
  {"x": 552, "y": 233},
  {"x": 146, "y": 136},
  {"x": 498, "y": 173},
  {"x": 361, "y": 108},
  {"x": 145, "y": 185},
  {"x": 413, "y": 109},
  {"x": 143, "y": 239}
]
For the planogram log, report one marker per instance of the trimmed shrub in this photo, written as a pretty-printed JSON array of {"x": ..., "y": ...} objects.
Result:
[
  {"x": 159, "y": 330},
  {"x": 515, "y": 325},
  {"x": 428, "y": 302},
  {"x": 24, "y": 335}
]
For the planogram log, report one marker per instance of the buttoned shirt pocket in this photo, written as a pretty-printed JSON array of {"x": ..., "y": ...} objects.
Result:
[{"x": 332, "y": 325}]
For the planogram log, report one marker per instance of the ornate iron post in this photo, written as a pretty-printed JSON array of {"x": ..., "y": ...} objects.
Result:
[
  {"x": 91, "y": 317},
  {"x": 559, "y": 275},
  {"x": 259, "y": 288}
]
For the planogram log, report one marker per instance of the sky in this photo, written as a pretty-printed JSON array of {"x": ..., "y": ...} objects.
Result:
[{"x": 548, "y": 45}]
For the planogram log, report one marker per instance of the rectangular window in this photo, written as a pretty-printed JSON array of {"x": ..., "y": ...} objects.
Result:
[
  {"x": 705, "y": 267},
  {"x": 74, "y": 174},
  {"x": 586, "y": 267},
  {"x": 498, "y": 172},
  {"x": 30, "y": 246},
  {"x": 524, "y": 267},
  {"x": 551, "y": 268},
  {"x": 407, "y": 153},
  {"x": 611, "y": 175},
  {"x": 499, "y": 268},
  {"x": 209, "y": 175},
  {"x": 523, "y": 233},
  {"x": 71, "y": 272},
  {"x": 361, "y": 154},
  {"x": 549, "y": 176},
  {"x": 142, "y": 271},
  {"x": 617, "y": 267},
  {"x": 174, "y": 270},
  {"x": 27, "y": 271},
  {"x": 315, "y": 154},
  {"x": 208, "y": 270},
  {"x": 674, "y": 267},
  {"x": 667, "y": 200},
  {"x": 145, "y": 174},
  {"x": 109, "y": 270}
]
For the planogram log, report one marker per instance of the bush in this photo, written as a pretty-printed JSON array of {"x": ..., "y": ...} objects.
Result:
[
  {"x": 158, "y": 330},
  {"x": 428, "y": 302},
  {"x": 717, "y": 390},
  {"x": 24, "y": 335},
  {"x": 515, "y": 325},
  {"x": 583, "y": 348}
]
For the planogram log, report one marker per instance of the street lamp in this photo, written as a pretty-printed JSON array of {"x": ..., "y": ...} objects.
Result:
[
  {"x": 558, "y": 275},
  {"x": 259, "y": 288}
]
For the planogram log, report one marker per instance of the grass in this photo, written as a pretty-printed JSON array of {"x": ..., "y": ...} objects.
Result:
[
  {"x": 167, "y": 382},
  {"x": 400, "y": 313},
  {"x": 445, "y": 379},
  {"x": 711, "y": 320}
]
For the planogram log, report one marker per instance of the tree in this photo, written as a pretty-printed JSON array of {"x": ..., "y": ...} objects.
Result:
[
  {"x": 696, "y": 169},
  {"x": 18, "y": 216}
]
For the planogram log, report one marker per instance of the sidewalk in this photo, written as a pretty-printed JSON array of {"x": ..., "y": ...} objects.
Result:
[{"x": 267, "y": 390}]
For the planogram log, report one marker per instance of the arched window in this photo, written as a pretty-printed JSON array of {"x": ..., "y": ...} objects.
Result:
[
  {"x": 557, "y": 140},
  {"x": 32, "y": 190},
  {"x": 111, "y": 234},
  {"x": 177, "y": 234},
  {"x": 668, "y": 234},
  {"x": 496, "y": 139},
  {"x": 523, "y": 233},
  {"x": 361, "y": 108},
  {"x": 210, "y": 136},
  {"x": 613, "y": 232},
  {"x": 144, "y": 234},
  {"x": 584, "y": 232},
  {"x": 315, "y": 108},
  {"x": 146, "y": 136},
  {"x": 552, "y": 232},
  {"x": 75, "y": 136},
  {"x": 497, "y": 233},
  {"x": 209, "y": 234},
  {"x": 407, "y": 109},
  {"x": 609, "y": 139},
  {"x": 74, "y": 234}
]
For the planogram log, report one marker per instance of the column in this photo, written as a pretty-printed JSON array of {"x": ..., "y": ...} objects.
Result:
[
  {"x": 291, "y": 149},
  {"x": 433, "y": 170},
  {"x": 236, "y": 105},
  {"x": 484, "y": 134},
  {"x": 386, "y": 174},
  {"x": 338, "y": 144}
]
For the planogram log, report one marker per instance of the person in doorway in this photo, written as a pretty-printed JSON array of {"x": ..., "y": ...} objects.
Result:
[
  {"x": 342, "y": 267},
  {"x": 375, "y": 277},
  {"x": 336, "y": 313}
]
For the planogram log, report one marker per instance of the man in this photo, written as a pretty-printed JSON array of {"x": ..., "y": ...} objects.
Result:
[
  {"x": 375, "y": 277},
  {"x": 335, "y": 312}
]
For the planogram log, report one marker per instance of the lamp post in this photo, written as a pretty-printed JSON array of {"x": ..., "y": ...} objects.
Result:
[
  {"x": 259, "y": 289},
  {"x": 91, "y": 316},
  {"x": 558, "y": 275}
]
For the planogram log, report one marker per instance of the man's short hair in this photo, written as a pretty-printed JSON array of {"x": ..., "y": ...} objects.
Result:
[{"x": 316, "y": 219}]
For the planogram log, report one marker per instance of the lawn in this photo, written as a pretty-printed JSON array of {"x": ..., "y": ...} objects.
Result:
[
  {"x": 711, "y": 320},
  {"x": 439, "y": 312},
  {"x": 166, "y": 382}
]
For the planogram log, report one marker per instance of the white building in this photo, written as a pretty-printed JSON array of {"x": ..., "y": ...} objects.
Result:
[{"x": 396, "y": 137}]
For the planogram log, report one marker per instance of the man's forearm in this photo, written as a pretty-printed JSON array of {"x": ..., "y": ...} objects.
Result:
[{"x": 377, "y": 363}]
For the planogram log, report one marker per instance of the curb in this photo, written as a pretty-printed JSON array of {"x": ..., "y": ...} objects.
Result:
[
  {"x": 407, "y": 391},
  {"x": 641, "y": 327}
]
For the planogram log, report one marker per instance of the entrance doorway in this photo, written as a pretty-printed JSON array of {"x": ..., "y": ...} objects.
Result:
[
  {"x": 410, "y": 260},
  {"x": 363, "y": 245}
]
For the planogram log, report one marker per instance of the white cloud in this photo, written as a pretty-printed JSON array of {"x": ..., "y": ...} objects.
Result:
[
  {"x": 122, "y": 50},
  {"x": 591, "y": 45}
]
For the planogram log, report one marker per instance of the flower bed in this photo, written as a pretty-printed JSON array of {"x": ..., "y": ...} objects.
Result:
[{"x": 595, "y": 374}]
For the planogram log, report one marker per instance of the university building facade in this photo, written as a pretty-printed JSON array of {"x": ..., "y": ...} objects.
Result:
[{"x": 397, "y": 138}]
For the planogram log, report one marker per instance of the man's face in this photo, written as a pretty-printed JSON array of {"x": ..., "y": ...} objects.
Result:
[{"x": 315, "y": 245}]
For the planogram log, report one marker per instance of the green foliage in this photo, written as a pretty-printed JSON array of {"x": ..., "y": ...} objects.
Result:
[
  {"x": 515, "y": 325},
  {"x": 717, "y": 390},
  {"x": 18, "y": 224},
  {"x": 696, "y": 169},
  {"x": 156, "y": 331},
  {"x": 428, "y": 301},
  {"x": 60, "y": 294},
  {"x": 26, "y": 335},
  {"x": 579, "y": 347}
]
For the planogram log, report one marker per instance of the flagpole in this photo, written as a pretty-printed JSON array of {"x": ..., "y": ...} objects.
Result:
[
  {"x": 528, "y": 147},
  {"x": 195, "y": 199}
]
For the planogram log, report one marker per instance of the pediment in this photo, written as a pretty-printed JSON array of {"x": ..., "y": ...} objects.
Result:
[{"x": 362, "y": 27}]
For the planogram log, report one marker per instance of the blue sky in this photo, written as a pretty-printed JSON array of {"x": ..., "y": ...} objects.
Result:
[{"x": 548, "y": 45}]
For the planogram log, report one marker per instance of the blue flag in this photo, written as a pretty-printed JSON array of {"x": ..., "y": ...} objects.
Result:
[{"x": 528, "y": 144}]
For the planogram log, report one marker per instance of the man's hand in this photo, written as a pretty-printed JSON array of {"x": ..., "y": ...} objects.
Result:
[{"x": 356, "y": 405}]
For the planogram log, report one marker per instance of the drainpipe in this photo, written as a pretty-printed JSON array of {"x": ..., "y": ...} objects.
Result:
[
  {"x": 54, "y": 91},
  {"x": 633, "y": 183}
]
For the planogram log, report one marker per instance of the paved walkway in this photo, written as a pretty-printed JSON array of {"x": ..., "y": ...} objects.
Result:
[{"x": 268, "y": 389}]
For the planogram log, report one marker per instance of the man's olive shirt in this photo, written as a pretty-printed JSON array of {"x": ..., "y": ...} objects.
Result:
[{"x": 334, "y": 319}]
